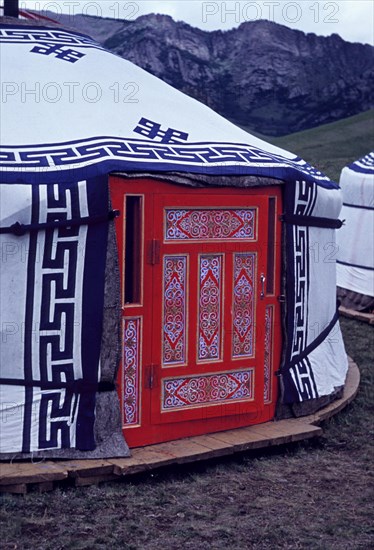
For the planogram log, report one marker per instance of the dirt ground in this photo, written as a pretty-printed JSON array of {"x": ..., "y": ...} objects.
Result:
[{"x": 313, "y": 495}]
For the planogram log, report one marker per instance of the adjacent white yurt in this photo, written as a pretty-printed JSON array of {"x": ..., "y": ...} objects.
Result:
[
  {"x": 142, "y": 231},
  {"x": 355, "y": 240}
]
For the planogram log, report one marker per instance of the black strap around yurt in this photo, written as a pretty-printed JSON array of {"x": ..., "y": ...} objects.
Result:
[
  {"x": 20, "y": 229},
  {"x": 76, "y": 386},
  {"x": 311, "y": 221},
  {"x": 360, "y": 206},
  {"x": 358, "y": 266},
  {"x": 318, "y": 341}
]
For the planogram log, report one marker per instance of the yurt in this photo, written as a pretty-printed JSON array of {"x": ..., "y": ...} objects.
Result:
[
  {"x": 159, "y": 276},
  {"x": 355, "y": 240}
]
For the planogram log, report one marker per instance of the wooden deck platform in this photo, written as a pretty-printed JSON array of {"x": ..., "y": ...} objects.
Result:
[
  {"x": 42, "y": 476},
  {"x": 357, "y": 315}
]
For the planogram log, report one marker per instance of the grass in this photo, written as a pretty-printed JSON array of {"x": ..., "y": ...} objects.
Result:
[
  {"x": 313, "y": 495},
  {"x": 331, "y": 146}
]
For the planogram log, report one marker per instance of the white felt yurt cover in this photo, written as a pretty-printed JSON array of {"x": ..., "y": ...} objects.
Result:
[
  {"x": 355, "y": 240},
  {"x": 71, "y": 112}
]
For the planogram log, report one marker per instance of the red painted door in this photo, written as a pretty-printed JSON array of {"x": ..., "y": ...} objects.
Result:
[{"x": 201, "y": 332}]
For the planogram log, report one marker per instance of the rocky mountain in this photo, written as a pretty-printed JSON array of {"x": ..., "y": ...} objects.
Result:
[{"x": 261, "y": 75}]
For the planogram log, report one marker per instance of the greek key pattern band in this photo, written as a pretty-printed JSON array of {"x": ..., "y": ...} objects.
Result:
[
  {"x": 91, "y": 151},
  {"x": 46, "y": 36},
  {"x": 305, "y": 199},
  {"x": 57, "y": 312}
]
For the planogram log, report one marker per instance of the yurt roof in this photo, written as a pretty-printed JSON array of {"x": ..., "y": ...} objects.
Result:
[
  {"x": 355, "y": 259},
  {"x": 72, "y": 109},
  {"x": 71, "y": 112},
  {"x": 364, "y": 165}
]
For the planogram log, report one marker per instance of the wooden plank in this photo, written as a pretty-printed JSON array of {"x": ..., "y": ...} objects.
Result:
[
  {"x": 88, "y": 468},
  {"x": 142, "y": 459},
  {"x": 173, "y": 452},
  {"x": 285, "y": 431},
  {"x": 275, "y": 433},
  {"x": 242, "y": 439},
  {"x": 17, "y": 489},
  {"x": 187, "y": 450},
  {"x": 215, "y": 446},
  {"x": 27, "y": 472},
  {"x": 357, "y": 315},
  {"x": 15, "y": 477},
  {"x": 295, "y": 429},
  {"x": 299, "y": 431},
  {"x": 264, "y": 435}
]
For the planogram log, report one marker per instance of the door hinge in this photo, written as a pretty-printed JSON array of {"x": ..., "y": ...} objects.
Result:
[
  {"x": 150, "y": 377},
  {"x": 153, "y": 255},
  {"x": 281, "y": 298}
]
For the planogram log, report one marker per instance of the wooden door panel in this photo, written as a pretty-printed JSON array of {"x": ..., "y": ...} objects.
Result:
[
  {"x": 212, "y": 305},
  {"x": 200, "y": 346}
]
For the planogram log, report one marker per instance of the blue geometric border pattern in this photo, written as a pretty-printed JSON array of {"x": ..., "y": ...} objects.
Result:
[
  {"x": 364, "y": 165},
  {"x": 47, "y": 35},
  {"x": 63, "y": 323},
  {"x": 94, "y": 156},
  {"x": 298, "y": 380}
]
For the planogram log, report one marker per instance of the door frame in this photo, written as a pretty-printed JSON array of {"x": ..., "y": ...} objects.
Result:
[{"x": 145, "y": 432}]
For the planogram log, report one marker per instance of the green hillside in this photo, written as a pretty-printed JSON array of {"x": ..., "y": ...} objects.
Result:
[{"x": 331, "y": 146}]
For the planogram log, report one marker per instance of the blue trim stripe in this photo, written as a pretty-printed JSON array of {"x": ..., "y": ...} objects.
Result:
[
  {"x": 37, "y": 29},
  {"x": 61, "y": 175},
  {"x": 364, "y": 165},
  {"x": 92, "y": 310},
  {"x": 29, "y": 314}
]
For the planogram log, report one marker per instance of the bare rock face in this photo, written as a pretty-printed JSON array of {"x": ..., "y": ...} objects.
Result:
[{"x": 261, "y": 75}]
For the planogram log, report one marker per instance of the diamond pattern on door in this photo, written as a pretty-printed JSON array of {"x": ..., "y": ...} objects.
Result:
[
  {"x": 210, "y": 308},
  {"x": 197, "y": 390},
  {"x": 243, "y": 305},
  {"x": 174, "y": 310}
]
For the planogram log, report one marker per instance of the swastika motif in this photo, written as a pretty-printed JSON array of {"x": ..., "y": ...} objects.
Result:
[
  {"x": 72, "y": 56},
  {"x": 152, "y": 130},
  {"x": 209, "y": 224},
  {"x": 131, "y": 372},
  {"x": 243, "y": 305},
  {"x": 193, "y": 391},
  {"x": 174, "y": 310}
]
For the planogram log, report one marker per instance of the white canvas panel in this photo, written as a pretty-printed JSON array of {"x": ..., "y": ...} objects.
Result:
[
  {"x": 356, "y": 279},
  {"x": 15, "y": 206},
  {"x": 329, "y": 363},
  {"x": 355, "y": 239}
]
